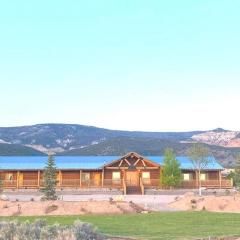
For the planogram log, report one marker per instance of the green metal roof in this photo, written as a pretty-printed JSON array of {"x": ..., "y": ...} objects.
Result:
[{"x": 86, "y": 162}]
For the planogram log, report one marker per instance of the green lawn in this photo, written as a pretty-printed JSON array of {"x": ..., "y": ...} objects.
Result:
[{"x": 165, "y": 225}]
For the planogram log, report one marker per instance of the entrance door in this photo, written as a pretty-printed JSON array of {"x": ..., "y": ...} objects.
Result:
[
  {"x": 97, "y": 179},
  {"x": 20, "y": 179},
  {"x": 132, "y": 178}
]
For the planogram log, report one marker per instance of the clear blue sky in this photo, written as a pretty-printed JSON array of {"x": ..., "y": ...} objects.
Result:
[{"x": 129, "y": 64}]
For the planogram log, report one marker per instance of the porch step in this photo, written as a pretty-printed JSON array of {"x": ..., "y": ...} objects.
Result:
[{"x": 133, "y": 190}]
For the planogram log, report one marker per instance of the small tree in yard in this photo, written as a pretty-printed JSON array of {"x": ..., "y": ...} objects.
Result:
[
  {"x": 236, "y": 174},
  {"x": 199, "y": 156},
  {"x": 50, "y": 180},
  {"x": 171, "y": 171}
]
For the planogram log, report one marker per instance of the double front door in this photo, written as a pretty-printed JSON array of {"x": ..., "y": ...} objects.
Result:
[{"x": 132, "y": 178}]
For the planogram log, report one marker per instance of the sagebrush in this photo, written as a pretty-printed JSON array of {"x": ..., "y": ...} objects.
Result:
[{"x": 39, "y": 230}]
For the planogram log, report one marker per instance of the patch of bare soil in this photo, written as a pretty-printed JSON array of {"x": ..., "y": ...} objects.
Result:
[
  {"x": 47, "y": 208},
  {"x": 208, "y": 203}
]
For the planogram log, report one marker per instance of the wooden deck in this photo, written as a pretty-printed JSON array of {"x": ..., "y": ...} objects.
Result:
[
  {"x": 224, "y": 183},
  {"x": 118, "y": 184}
]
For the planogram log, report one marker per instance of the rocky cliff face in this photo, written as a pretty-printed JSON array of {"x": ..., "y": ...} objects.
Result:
[{"x": 220, "y": 138}]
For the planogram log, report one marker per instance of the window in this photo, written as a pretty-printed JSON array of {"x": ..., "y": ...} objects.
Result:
[
  {"x": 203, "y": 176},
  {"x": 186, "y": 176},
  {"x": 9, "y": 176},
  {"x": 146, "y": 177},
  {"x": 116, "y": 177},
  {"x": 85, "y": 177}
]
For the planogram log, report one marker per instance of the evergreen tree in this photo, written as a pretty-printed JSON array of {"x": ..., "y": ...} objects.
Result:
[
  {"x": 50, "y": 180},
  {"x": 171, "y": 176}
]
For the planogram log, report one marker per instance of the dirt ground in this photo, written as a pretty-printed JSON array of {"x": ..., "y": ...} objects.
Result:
[
  {"x": 208, "y": 203},
  {"x": 8, "y": 208}
]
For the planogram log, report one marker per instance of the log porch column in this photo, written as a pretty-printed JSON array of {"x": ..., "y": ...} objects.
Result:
[
  {"x": 220, "y": 179},
  {"x": 102, "y": 177},
  {"x": 160, "y": 179},
  {"x": 123, "y": 174},
  {"x": 38, "y": 179},
  {"x": 80, "y": 179},
  {"x": 18, "y": 173},
  {"x": 60, "y": 178},
  {"x": 197, "y": 179}
]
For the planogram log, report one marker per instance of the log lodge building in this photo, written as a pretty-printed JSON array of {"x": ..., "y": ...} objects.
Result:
[{"x": 129, "y": 173}]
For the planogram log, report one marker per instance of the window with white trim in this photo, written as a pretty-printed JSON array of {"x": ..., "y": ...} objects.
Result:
[
  {"x": 9, "y": 176},
  {"x": 146, "y": 177},
  {"x": 116, "y": 177},
  {"x": 187, "y": 177},
  {"x": 203, "y": 176},
  {"x": 85, "y": 176}
]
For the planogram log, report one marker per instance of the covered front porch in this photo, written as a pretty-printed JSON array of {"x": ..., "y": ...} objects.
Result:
[
  {"x": 209, "y": 179},
  {"x": 65, "y": 179}
]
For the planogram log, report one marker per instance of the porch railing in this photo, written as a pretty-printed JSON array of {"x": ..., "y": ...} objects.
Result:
[
  {"x": 147, "y": 182},
  {"x": 28, "y": 183},
  {"x": 115, "y": 183},
  {"x": 9, "y": 183},
  {"x": 225, "y": 183}
]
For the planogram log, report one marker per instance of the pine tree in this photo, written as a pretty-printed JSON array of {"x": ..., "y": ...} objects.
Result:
[
  {"x": 171, "y": 176},
  {"x": 50, "y": 180}
]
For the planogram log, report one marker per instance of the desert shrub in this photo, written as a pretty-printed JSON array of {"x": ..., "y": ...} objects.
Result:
[
  {"x": 51, "y": 208},
  {"x": 177, "y": 198},
  {"x": 194, "y": 206},
  {"x": 200, "y": 199},
  {"x": 39, "y": 230},
  {"x": 227, "y": 192},
  {"x": 85, "y": 231},
  {"x": 193, "y": 201}
]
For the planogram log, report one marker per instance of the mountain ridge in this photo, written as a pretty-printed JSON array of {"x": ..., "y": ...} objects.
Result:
[{"x": 76, "y": 139}]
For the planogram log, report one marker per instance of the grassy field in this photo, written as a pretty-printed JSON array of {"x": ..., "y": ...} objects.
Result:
[{"x": 165, "y": 225}]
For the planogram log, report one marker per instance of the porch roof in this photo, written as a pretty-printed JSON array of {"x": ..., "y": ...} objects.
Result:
[{"x": 86, "y": 162}]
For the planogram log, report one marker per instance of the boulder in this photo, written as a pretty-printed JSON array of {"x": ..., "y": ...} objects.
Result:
[
  {"x": 4, "y": 197},
  {"x": 119, "y": 198},
  {"x": 144, "y": 212}
]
